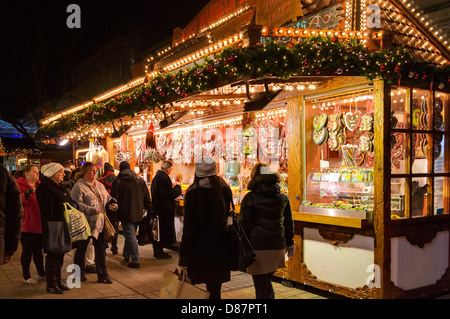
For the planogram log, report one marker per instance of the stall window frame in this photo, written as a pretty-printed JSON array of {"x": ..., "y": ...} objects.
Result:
[{"x": 409, "y": 131}]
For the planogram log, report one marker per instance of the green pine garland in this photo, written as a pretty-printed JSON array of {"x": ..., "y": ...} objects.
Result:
[{"x": 316, "y": 55}]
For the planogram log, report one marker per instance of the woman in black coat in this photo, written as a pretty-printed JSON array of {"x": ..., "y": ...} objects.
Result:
[
  {"x": 267, "y": 220},
  {"x": 163, "y": 198},
  {"x": 204, "y": 248},
  {"x": 51, "y": 197}
]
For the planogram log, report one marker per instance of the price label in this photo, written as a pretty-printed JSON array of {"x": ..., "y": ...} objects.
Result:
[{"x": 334, "y": 177}]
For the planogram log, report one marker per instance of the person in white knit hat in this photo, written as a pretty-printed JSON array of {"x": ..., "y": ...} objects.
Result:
[{"x": 51, "y": 197}]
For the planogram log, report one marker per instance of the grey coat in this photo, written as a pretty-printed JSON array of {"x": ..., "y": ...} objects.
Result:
[{"x": 88, "y": 202}]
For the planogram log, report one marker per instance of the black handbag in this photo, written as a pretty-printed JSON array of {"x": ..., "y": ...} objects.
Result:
[
  {"x": 58, "y": 241},
  {"x": 58, "y": 237},
  {"x": 242, "y": 253},
  {"x": 148, "y": 231}
]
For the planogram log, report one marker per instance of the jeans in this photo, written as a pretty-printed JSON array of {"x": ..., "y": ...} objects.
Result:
[
  {"x": 130, "y": 248},
  {"x": 100, "y": 256}
]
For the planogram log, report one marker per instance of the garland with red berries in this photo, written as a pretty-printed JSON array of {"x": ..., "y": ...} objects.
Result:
[{"x": 316, "y": 55}]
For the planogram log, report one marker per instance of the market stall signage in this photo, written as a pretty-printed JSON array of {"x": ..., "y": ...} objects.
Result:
[
  {"x": 274, "y": 13},
  {"x": 325, "y": 19}
]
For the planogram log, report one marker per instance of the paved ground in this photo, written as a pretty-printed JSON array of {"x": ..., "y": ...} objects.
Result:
[{"x": 128, "y": 283}]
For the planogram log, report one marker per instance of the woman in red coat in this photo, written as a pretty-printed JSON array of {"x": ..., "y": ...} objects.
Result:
[{"x": 31, "y": 236}]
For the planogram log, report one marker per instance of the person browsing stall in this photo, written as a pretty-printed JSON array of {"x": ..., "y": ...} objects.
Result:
[
  {"x": 11, "y": 214},
  {"x": 267, "y": 220},
  {"x": 133, "y": 197},
  {"x": 163, "y": 196},
  {"x": 31, "y": 236},
  {"x": 51, "y": 197},
  {"x": 92, "y": 199},
  {"x": 204, "y": 247}
]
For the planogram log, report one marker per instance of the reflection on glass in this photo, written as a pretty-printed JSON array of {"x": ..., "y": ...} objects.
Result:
[
  {"x": 439, "y": 195},
  {"x": 439, "y": 112},
  {"x": 398, "y": 152},
  {"x": 419, "y": 107},
  {"x": 419, "y": 191},
  {"x": 420, "y": 149},
  {"x": 399, "y": 107},
  {"x": 398, "y": 186}
]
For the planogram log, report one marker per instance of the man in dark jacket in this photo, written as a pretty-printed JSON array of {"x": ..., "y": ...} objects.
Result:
[
  {"x": 133, "y": 197},
  {"x": 11, "y": 214},
  {"x": 163, "y": 195}
]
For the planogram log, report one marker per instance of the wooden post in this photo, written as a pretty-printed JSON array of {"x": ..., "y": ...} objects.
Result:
[
  {"x": 295, "y": 141},
  {"x": 382, "y": 191}
]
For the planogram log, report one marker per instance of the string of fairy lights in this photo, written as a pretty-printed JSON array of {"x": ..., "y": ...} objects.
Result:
[{"x": 199, "y": 107}]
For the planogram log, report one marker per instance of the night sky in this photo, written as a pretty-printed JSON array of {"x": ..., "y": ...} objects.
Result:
[{"x": 34, "y": 33}]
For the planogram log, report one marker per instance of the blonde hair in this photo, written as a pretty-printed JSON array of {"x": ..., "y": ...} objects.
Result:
[
  {"x": 83, "y": 170},
  {"x": 27, "y": 168}
]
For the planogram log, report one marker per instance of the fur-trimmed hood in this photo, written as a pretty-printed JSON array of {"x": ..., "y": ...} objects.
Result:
[{"x": 265, "y": 183}]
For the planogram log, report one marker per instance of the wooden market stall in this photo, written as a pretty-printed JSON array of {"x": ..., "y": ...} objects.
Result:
[{"x": 357, "y": 126}]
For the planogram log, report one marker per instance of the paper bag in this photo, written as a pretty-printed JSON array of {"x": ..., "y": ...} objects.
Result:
[{"x": 174, "y": 287}]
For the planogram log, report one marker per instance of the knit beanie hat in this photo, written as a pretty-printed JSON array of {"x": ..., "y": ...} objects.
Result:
[
  {"x": 51, "y": 169},
  {"x": 124, "y": 165},
  {"x": 206, "y": 166},
  {"x": 108, "y": 167}
]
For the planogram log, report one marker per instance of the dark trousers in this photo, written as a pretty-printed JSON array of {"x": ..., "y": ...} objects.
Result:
[
  {"x": 115, "y": 224},
  {"x": 31, "y": 249},
  {"x": 100, "y": 256},
  {"x": 158, "y": 249},
  {"x": 53, "y": 265},
  {"x": 263, "y": 286},
  {"x": 214, "y": 289}
]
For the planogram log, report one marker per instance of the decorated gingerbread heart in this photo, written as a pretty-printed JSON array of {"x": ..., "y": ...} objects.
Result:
[
  {"x": 334, "y": 122},
  {"x": 366, "y": 142},
  {"x": 366, "y": 123},
  {"x": 352, "y": 120},
  {"x": 320, "y": 136},
  {"x": 319, "y": 121}
]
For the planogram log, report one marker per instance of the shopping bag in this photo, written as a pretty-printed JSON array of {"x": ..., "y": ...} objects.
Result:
[
  {"x": 77, "y": 223},
  {"x": 175, "y": 286},
  {"x": 147, "y": 234},
  {"x": 108, "y": 229},
  {"x": 58, "y": 239},
  {"x": 155, "y": 229}
]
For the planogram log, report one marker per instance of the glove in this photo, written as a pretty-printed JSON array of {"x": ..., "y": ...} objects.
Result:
[
  {"x": 28, "y": 192},
  {"x": 290, "y": 250}
]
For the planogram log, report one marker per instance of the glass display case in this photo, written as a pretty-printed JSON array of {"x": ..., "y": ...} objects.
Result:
[{"x": 342, "y": 192}]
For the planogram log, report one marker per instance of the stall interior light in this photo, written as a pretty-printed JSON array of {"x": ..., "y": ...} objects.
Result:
[{"x": 63, "y": 142}]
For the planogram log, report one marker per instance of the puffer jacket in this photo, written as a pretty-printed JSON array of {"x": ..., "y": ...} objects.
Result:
[{"x": 266, "y": 214}]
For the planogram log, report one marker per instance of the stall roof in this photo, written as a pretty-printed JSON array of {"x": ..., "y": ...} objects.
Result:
[
  {"x": 408, "y": 27},
  {"x": 402, "y": 24}
]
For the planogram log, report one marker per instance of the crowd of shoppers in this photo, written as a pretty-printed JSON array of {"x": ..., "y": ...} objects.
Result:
[{"x": 30, "y": 200}]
